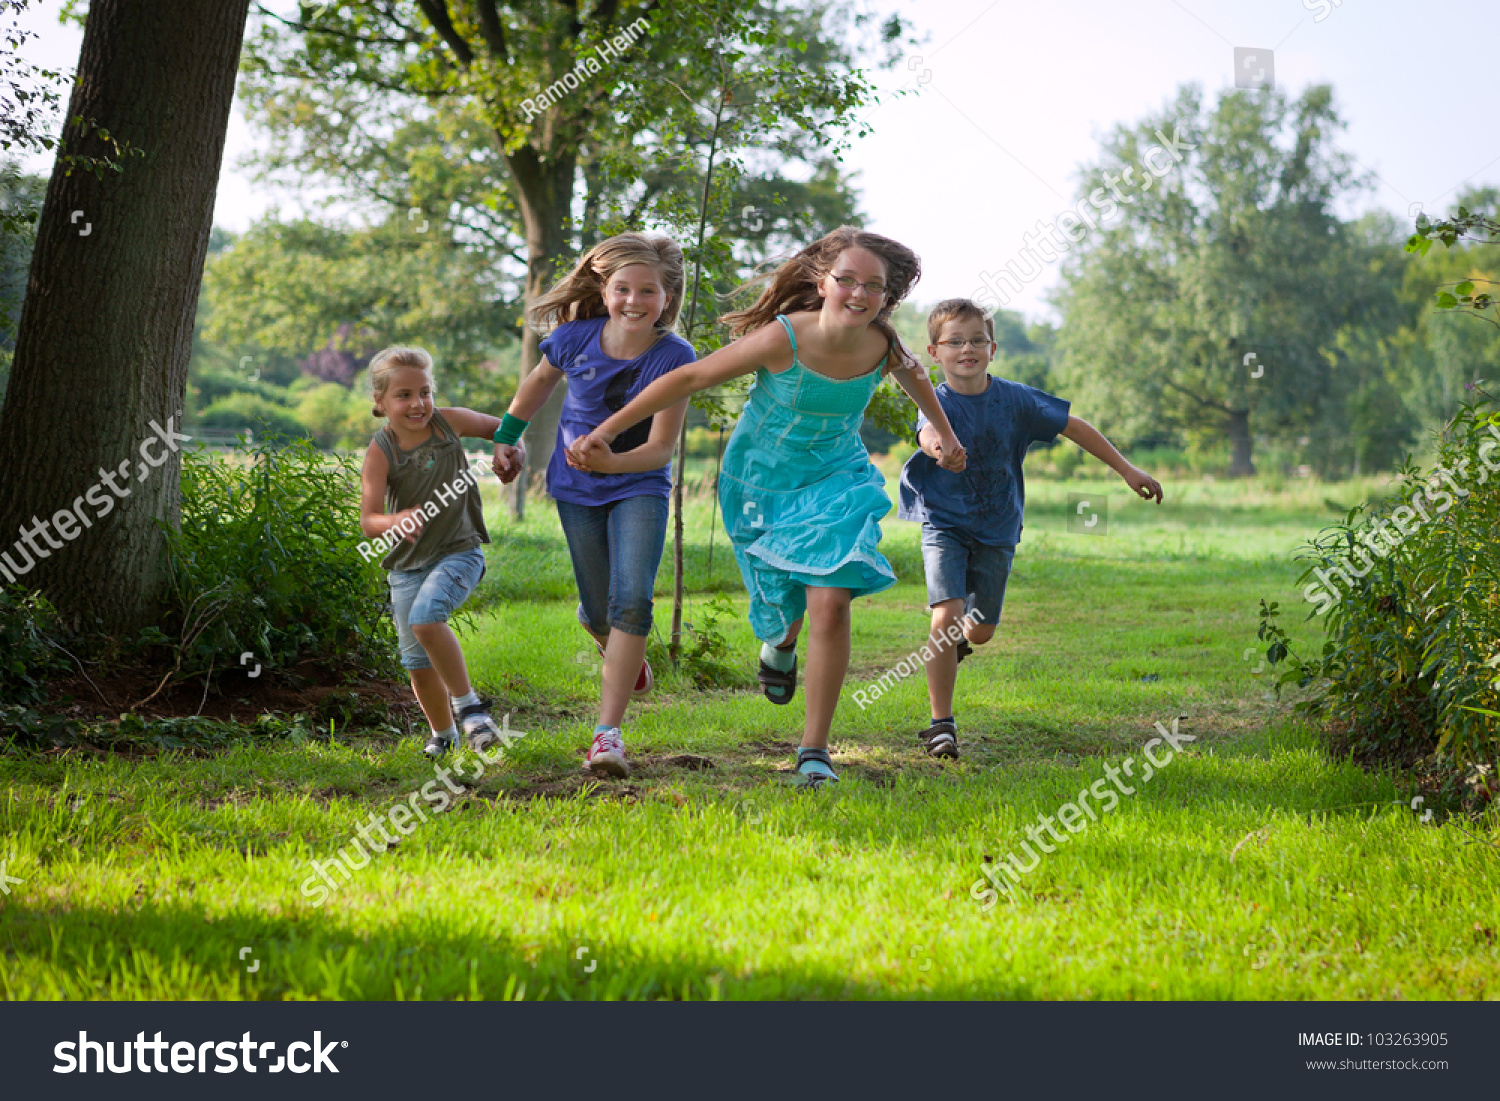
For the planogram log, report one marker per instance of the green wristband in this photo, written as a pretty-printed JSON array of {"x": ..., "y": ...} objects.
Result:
[{"x": 510, "y": 430}]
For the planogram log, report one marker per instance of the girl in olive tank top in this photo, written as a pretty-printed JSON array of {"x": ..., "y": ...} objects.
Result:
[{"x": 419, "y": 502}]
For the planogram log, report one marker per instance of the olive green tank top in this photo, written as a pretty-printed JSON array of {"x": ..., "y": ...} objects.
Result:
[{"x": 435, "y": 477}]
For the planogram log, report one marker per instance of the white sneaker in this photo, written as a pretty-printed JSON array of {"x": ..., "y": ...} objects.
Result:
[
  {"x": 478, "y": 728},
  {"x": 607, "y": 754},
  {"x": 437, "y": 745}
]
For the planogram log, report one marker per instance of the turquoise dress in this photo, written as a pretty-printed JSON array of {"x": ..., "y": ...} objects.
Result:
[{"x": 802, "y": 503}]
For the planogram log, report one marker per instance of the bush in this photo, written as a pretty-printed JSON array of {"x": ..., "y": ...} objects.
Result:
[
  {"x": 262, "y": 416},
  {"x": 266, "y": 562},
  {"x": 1408, "y": 666},
  {"x": 27, "y": 653}
]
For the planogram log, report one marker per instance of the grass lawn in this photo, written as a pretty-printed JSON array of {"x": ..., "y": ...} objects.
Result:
[{"x": 1251, "y": 866}]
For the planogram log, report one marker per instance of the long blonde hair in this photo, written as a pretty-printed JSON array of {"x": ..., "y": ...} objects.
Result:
[
  {"x": 389, "y": 361},
  {"x": 580, "y": 293},
  {"x": 793, "y": 287}
]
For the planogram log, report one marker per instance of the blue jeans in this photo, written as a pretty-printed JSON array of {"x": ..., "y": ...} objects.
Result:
[
  {"x": 960, "y": 567},
  {"x": 431, "y": 595},
  {"x": 616, "y": 549}
]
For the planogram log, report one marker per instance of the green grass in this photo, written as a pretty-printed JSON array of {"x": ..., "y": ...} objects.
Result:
[{"x": 1252, "y": 866}]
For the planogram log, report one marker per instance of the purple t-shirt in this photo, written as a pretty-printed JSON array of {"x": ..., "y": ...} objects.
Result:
[{"x": 599, "y": 387}]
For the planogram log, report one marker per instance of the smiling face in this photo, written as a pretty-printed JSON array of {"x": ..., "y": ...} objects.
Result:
[
  {"x": 846, "y": 289},
  {"x": 407, "y": 400},
  {"x": 635, "y": 298},
  {"x": 963, "y": 350}
]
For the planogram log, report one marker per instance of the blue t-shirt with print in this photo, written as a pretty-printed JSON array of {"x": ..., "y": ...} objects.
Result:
[
  {"x": 598, "y": 387},
  {"x": 996, "y": 427}
]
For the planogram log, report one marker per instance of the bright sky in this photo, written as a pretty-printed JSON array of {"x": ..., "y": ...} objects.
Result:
[{"x": 1013, "y": 99}]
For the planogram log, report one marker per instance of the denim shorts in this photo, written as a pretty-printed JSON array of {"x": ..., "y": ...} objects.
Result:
[
  {"x": 431, "y": 595},
  {"x": 616, "y": 550},
  {"x": 960, "y": 567}
]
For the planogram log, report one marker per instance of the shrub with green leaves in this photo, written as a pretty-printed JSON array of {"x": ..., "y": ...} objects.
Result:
[
  {"x": 27, "y": 654},
  {"x": 266, "y": 561},
  {"x": 1408, "y": 668}
]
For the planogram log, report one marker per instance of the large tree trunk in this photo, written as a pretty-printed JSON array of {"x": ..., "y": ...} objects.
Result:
[
  {"x": 1240, "y": 464},
  {"x": 544, "y": 193},
  {"x": 102, "y": 352}
]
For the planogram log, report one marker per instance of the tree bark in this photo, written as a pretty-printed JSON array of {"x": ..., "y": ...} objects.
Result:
[
  {"x": 106, "y": 333},
  {"x": 544, "y": 194},
  {"x": 1240, "y": 464}
]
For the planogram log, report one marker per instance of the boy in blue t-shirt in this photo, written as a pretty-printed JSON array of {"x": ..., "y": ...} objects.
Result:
[{"x": 971, "y": 521}]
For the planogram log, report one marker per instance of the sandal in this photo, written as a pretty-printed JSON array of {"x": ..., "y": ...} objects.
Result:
[
  {"x": 781, "y": 682},
  {"x": 940, "y": 740},
  {"x": 814, "y": 778}
]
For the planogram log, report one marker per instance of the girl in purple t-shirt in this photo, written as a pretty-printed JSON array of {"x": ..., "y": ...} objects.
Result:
[{"x": 610, "y": 325}]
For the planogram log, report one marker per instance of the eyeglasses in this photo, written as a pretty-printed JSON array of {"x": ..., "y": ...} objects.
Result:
[
  {"x": 960, "y": 345},
  {"x": 848, "y": 282}
]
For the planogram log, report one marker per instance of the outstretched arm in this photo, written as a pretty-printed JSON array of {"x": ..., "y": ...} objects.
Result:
[
  {"x": 533, "y": 393},
  {"x": 1086, "y": 436},
  {"x": 948, "y": 451},
  {"x": 739, "y": 358}
]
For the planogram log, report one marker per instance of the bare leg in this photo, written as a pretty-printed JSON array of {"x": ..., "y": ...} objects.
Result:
[
  {"x": 942, "y": 670},
  {"x": 446, "y": 655},
  {"x": 623, "y": 654},
  {"x": 433, "y": 697},
  {"x": 827, "y": 661}
]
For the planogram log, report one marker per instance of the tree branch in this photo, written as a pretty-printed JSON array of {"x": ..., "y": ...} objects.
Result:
[
  {"x": 437, "y": 14},
  {"x": 492, "y": 30},
  {"x": 332, "y": 32},
  {"x": 1201, "y": 401}
]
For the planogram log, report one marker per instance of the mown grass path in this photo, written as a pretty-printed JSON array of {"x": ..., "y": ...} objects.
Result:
[{"x": 1251, "y": 866}]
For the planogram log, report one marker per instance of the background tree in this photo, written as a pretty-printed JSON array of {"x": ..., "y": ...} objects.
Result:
[
  {"x": 355, "y": 92},
  {"x": 1236, "y": 252},
  {"x": 107, "y": 327}
]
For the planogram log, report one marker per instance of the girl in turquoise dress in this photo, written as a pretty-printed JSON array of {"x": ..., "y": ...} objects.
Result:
[{"x": 801, "y": 501}]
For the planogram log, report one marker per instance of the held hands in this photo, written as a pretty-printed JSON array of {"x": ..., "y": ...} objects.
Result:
[
  {"x": 950, "y": 454},
  {"x": 1143, "y": 484},
  {"x": 508, "y": 461},
  {"x": 591, "y": 453}
]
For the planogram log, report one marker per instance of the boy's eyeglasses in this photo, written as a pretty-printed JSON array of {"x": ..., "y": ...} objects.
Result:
[
  {"x": 960, "y": 345},
  {"x": 848, "y": 282}
]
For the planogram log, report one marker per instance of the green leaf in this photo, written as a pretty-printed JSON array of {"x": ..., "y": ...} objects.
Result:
[
  {"x": 1445, "y": 301},
  {"x": 1466, "y": 287}
]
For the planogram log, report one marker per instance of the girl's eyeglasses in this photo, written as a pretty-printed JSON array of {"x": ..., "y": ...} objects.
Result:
[{"x": 848, "y": 282}]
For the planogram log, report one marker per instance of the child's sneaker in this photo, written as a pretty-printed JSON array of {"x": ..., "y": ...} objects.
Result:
[
  {"x": 941, "y": 740},
  {"x": 643, "y": 683},
  {"x": 437, "y": 745},
  {"x": 478, "y": 727},
  {"x": 607, "y": 754}
]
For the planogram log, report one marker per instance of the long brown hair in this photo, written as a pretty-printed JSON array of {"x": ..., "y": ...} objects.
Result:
[
  {"x": 793, "y": 287},
  {"x": 580, "y": 293}
]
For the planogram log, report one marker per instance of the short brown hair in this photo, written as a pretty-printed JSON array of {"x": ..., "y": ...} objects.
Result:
[{"x": 957, "y": 309}]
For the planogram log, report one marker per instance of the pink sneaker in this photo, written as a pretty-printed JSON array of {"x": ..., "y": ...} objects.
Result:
[{"x": 607, "y": 754}]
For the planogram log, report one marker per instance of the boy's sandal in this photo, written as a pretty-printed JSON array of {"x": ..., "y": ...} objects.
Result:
[
  {"x": 814, "y": 779},
  {"x": 963, "y": 649},
  {"x": 940, "y": 740},
  {"x": 779, "y": 685}
]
